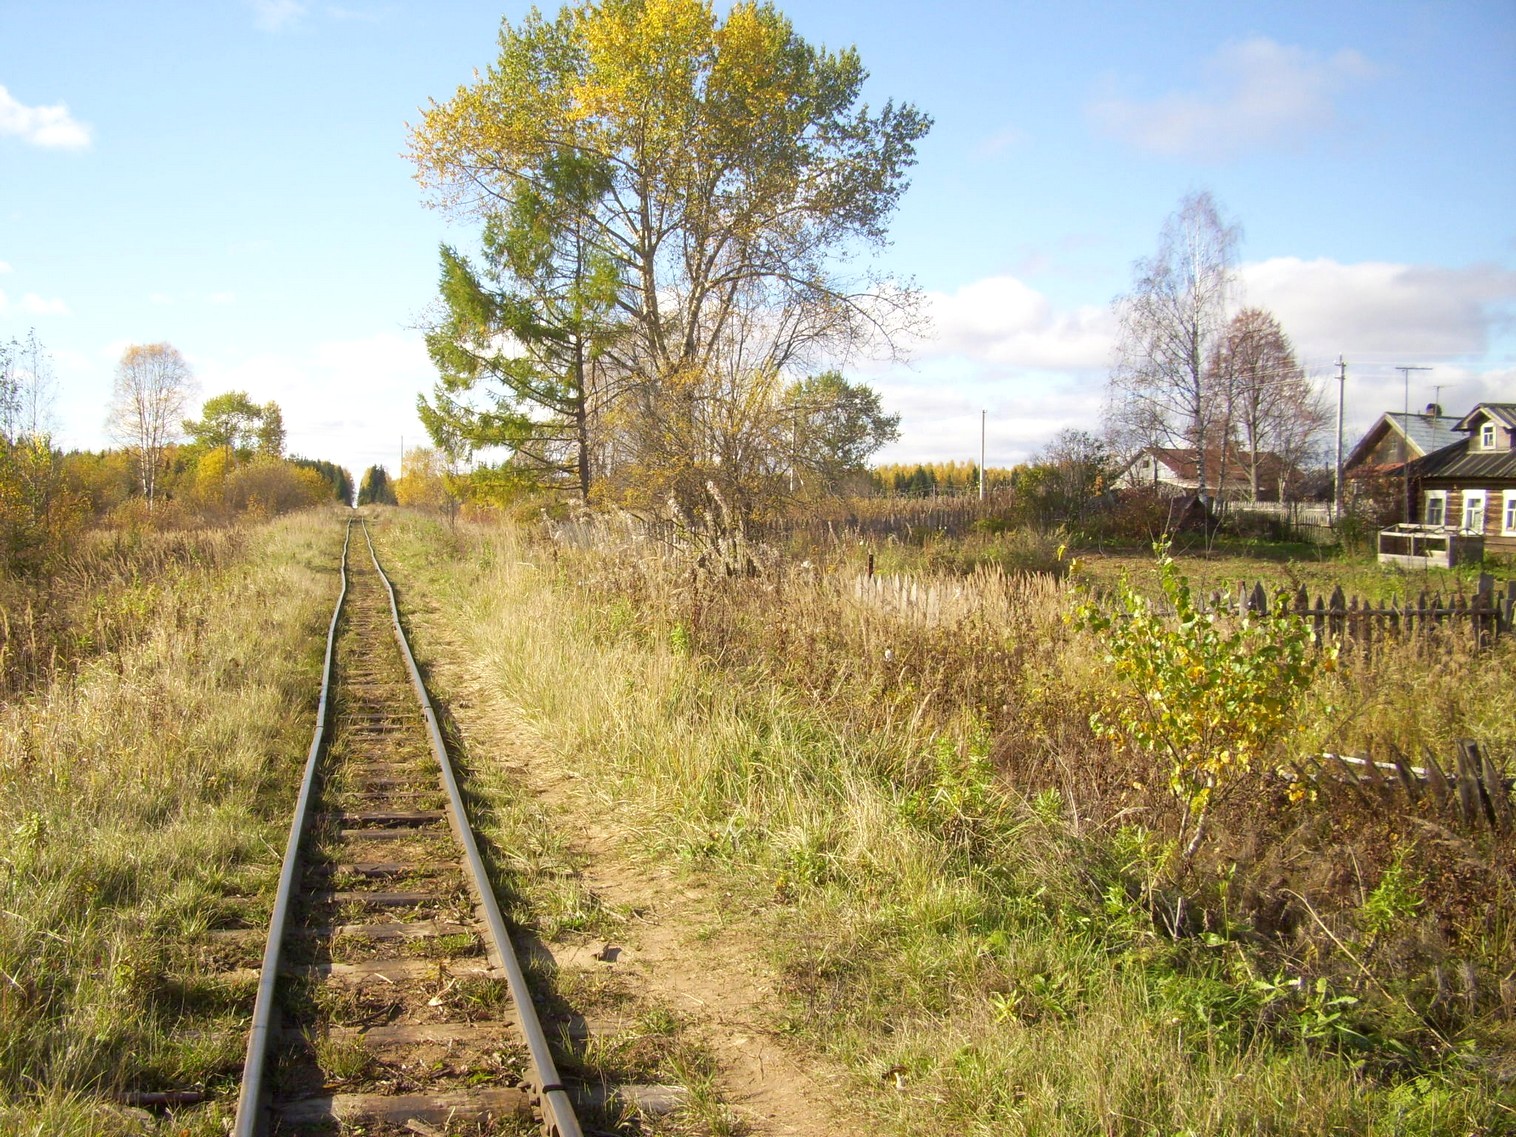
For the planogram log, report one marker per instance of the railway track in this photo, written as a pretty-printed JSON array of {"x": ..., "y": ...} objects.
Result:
[{"x": 390, "y": 999}]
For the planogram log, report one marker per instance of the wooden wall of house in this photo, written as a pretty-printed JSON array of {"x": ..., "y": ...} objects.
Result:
[{"x": 1495, "y": 539}]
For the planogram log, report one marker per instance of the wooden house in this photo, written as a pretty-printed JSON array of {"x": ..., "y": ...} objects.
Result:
[{"x": 1470, "y": 486}]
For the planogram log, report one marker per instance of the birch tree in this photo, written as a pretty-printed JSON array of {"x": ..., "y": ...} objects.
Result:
[
  {"x": 1161, "y": 388},
  {"x": 153, "y": 384}
]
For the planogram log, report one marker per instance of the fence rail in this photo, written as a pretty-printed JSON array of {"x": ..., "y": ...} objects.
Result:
[
  {"x": 1472, "y": 788},
  {"x": 1486, "y": 615}
]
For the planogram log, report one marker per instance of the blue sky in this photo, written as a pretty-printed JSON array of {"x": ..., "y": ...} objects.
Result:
[{"x": 229, "y": 177}]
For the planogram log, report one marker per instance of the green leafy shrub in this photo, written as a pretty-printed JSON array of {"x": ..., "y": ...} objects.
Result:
[{"x": 1207, "y": 696}]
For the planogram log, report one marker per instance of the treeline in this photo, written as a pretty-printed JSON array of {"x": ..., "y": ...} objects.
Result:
[
  {"x": 168, "y": 471},
  {"x": 934, "y": 479}
]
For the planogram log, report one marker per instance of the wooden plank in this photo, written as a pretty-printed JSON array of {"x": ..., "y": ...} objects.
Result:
[
  {"x": 1408, "y": 781},
  {"x": 392, "y": 969},
  {"x": 382, "y": 899},
  {"x": 382, "y": 870},
  {"x": 1468, "y": 785},
  {"x": 413, "y": 1034},
  {"x": 356, "y": 818},
  {"x": 385, "y": 930},
  {"x": 480, "y": 1104},
  {"x": 1437, "y": 781}
]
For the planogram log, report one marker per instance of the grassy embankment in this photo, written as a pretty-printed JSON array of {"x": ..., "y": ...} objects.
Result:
[
  {"x": 968, "y": 891},
  {"x": 146, "y": 780}
]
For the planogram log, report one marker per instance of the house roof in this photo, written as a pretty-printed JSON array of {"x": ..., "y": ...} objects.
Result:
[
  {"x": 1181, "y": 463},
  {"x": 1426, "y": 434},
  {"x": 1458, "y": 462},
  {"x": 1503, "y": 413}
]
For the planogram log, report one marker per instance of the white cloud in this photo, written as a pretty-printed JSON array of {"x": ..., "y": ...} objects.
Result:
[
  {"x": 1255, "y": 94},
  {"x": 220, "y": 299},
  {"x": 276, "y": 15},
  {"x": 32, "y": 304},
  {"x": 1001, "y": 141},
  {"x": 1381, "y": 310},
  {"x": 50, "y": 127},
  {"x": 1001, "y": 345},
  {"x": 5, "y": 268},
  {"x": 159, "y": 299},
  {"x": 1004, "y": 321},
  {"x": 348, "y": 401}
]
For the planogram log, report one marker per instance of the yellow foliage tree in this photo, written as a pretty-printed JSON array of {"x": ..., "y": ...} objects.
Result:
[{"x": 725, "y": 171}]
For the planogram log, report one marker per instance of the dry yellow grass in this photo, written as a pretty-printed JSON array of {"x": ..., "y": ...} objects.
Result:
[
  {"x": 143, "y": 800},
  {"x": 951, "y": 868}
]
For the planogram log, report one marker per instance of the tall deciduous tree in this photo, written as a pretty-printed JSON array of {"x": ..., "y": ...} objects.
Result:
[
  {"x": 836, "y": 426},
  {"x": 1161, "y": 388},
  {"x": 153, "y": 383},
  {"x": 1274, "y": 408},
  {"x": 234, "y": 423},
  {"x": 706, "y": 184}
]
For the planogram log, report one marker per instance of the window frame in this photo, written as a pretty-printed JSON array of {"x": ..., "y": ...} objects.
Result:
[
  {"x": 1440, "y": 499},
  {"x": 1483, "y": 497},
  {"x": 1508, "y": 513},
  {"x": 1487, "y": 436}
]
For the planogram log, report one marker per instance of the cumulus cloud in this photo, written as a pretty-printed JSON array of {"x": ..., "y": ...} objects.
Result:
[
  {"x": 348, "y": 401},
  {"x": 1002, "y": 320},
  {"x": 1378, "y": 310},
  {"x": 1000, "y": 346},
  {"x": 1255, "y": 94},
  {"x": 1001, "y": 141},
  {"x": 49, "y": 127},
  {"x": 276, "y": 15},
  {"x": 32, "y": 304}
]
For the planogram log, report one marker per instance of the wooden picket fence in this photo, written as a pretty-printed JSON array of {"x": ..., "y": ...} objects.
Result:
[
  {"x": 1473, "y": 791},
  {"x": 1485, "y": 616}
]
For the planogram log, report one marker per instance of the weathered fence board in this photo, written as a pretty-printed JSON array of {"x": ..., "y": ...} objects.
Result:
[
  {"x": 1488, "y": 614},
  {"x": 1476, "y": 788}
]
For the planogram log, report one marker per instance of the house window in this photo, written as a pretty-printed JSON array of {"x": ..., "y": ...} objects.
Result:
[
  {"x": 1487, "y": 436},
  {"x": 1473, "y": 511},
  {"x": 1508, "y": 514},
  {"x": 1436, "y": 512}
]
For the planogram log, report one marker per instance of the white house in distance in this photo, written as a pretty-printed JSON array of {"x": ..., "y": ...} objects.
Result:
[{"x": 1171, "y": 471}]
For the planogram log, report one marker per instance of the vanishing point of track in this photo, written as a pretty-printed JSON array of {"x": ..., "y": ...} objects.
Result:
[{"x": 390, "y": 999}]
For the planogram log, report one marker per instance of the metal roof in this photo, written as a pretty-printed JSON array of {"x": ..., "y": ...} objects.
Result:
[
  {"x": 1504, "y": 413},
  {"x": 1428, "y": 433},
  {"x": 1458, "y": 462}
]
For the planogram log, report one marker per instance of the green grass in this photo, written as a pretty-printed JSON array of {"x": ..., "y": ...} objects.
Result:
[
  {"x": 145, "y": 798},
  {"x": 958, "y": 878}
]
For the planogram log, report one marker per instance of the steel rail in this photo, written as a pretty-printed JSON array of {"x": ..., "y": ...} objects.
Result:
[
  {"x": 249, "y": 1105},
  {"x": 559, "y": 1119}
]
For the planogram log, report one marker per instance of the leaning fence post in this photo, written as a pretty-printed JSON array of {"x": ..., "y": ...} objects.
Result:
[
  {"x": 1471, "y": 797},
  {"x": 1408, "y": 781},
  {"x": 1497, "y": 797},
  {"x": 1437, "y": 781}
]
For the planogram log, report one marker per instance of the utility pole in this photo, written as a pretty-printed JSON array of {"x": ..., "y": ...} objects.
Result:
[
  {"x": 983, "y": 415},
  {"x": 1342, "y": 382},
  {"x": 1405, "y": 441}
]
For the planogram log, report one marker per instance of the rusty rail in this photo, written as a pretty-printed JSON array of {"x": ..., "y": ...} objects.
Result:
[
  {"x": 249, "y": 1100},
  {"x": 544, "y": 1088}
]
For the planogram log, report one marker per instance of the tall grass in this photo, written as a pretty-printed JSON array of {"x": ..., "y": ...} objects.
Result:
[
  {"x": 144, "y": 792},
  {"x": 959, "y": 880}
]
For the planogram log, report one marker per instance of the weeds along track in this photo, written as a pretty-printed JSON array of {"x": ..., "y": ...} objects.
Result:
[{"x": 390, "y": 999}]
